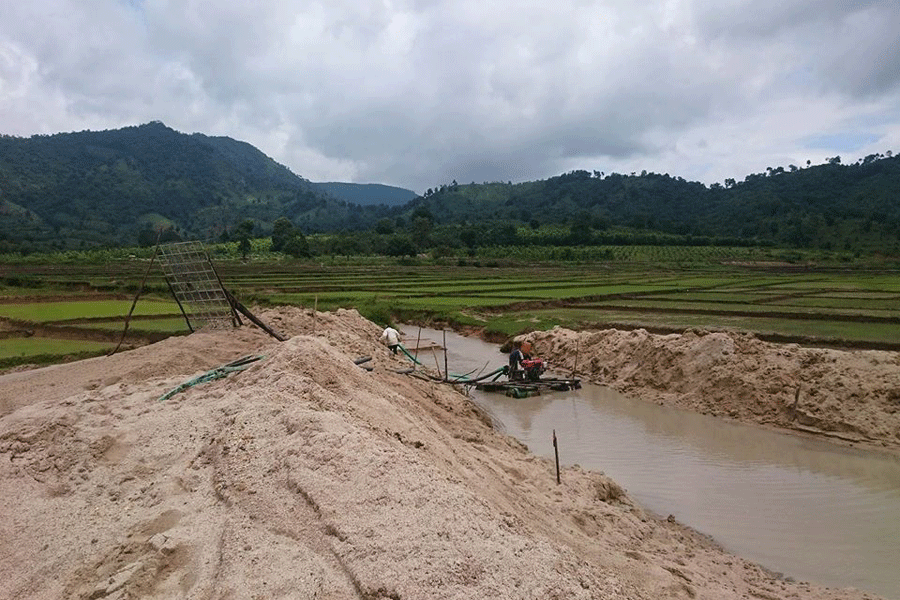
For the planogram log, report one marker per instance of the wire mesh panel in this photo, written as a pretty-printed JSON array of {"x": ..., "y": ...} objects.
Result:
[{"x": 195, "y": 284}]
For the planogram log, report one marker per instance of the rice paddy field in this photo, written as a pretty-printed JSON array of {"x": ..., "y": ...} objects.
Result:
[{"x": 49, "y": 312}]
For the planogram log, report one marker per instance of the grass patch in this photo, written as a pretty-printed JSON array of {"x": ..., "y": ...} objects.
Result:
[
  {"x": 173, "y": 325},
  {"x": 36, "y": 346},
  {"x": 46, "y": 312}
]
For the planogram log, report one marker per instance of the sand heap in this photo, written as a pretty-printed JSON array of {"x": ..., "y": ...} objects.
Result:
[
  {"x": 850, "y": 395},
  {"x": 306, "y": 476}
]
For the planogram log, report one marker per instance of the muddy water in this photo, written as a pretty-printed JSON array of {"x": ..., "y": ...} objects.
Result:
[{"x": 807, "y": 508}]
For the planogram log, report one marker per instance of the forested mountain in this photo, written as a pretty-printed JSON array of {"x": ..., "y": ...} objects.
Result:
[
  {"x": 829, "y": 206},
  {"x": 367, "y": 194},
  {"x": 112, "y": 187},
  {"x": 120, "y": 187}
]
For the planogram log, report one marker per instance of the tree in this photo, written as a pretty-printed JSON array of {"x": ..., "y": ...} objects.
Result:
[
  {"x": 147, "y": 236},
  {"x": 169, "y": 234},
  {"x": 505, "y": 235},
  {"x": 580, "y": 232},
  {"x": 384, "y": 226},
  {"x": 297, "y": 246},
  {"x": 242, "y": 234},
  {"x": 282, "y": 231},
  {"x": 400, "y": 245}
]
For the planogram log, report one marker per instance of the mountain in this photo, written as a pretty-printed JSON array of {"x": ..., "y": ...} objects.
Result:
[
  {"x": 367, "y": 194},
  {"x": 117, "y": 187},
  {"x": 830, "y": 206},
  {"x": 74, "y": 190}
]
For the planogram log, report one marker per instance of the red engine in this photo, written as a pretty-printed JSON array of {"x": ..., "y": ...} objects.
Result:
[{"x": 533, "y": 368}]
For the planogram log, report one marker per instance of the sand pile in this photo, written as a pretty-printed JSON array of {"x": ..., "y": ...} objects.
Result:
[
  {"x": 849, "y": 395},
  {"x": 306, "y": 476}
]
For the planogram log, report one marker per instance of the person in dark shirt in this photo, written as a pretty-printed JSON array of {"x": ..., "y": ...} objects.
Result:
[{"x": 515, "y": 362}]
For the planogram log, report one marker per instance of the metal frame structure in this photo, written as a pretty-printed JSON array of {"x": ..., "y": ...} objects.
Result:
[{"x": 196, "y": 286}]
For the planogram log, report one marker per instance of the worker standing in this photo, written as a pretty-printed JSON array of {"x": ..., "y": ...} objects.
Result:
[{"x": 391, "y": 338}]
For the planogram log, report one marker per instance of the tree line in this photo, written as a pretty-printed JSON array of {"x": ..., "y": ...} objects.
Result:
[{"x": 139, "y": 184}]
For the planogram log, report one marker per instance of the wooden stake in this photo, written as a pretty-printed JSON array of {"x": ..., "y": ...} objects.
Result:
[
  {"x": 138, "y": 294},
  {"x": 235, "y": 317},
  {"x": 434, "y": 354},
  {"x": 178, "y": 302},
  {"x": 446, "y": 370},
  {"x": 556, "y": 452},
  {"x": 416, "y": 353},
  {"x": 253, "y": 319}
]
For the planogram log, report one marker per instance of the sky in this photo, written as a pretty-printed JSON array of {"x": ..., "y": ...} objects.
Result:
[{"x": 418, "y": 93}]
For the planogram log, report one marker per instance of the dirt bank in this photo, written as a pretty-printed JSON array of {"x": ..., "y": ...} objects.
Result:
[
  {"x": 306, "y": 476},
  {"x": 852, "y": 396}
]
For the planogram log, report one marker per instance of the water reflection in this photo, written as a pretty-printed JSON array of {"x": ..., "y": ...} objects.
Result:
[{"x": 811, "y": 509}]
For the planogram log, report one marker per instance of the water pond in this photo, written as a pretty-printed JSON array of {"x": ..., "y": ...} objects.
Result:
[{"x": 807, "y": 508}]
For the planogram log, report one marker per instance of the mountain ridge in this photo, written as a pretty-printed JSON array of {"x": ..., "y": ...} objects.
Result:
[{"x": 116, "y": 187}]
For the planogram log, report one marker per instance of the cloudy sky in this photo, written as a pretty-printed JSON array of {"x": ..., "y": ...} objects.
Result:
[{"x": 416, "y": 93}]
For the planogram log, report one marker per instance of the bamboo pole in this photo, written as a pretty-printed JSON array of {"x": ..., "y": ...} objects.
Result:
[
  {"x": 235, "y": 317},
  {"x": 178, "y": 302},
  {"x": 138, "y": 295}
]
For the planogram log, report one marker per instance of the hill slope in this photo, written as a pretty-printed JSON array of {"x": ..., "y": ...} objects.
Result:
[
  {"x": 367, "y": 194},
  {"x": 77, "y": 189},
  {"x": 831, "y": 206},
  {"x": 115, "y": 187}
]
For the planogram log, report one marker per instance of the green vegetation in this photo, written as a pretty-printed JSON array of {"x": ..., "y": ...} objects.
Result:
[
  {"x": 803, "y": 254},
  {"x": 35, "y": 350},
  {"x": 367, "y": 193},
  {"x": 35, "y": 346},
  {"x": 806, "y": 303},
  {"x": 40, "y": 312},
  {"x": 139, "y": 184},
  {"x": 833, "y": 207},
  {"x": 121, "y": 187},
  {"x": 803, "y": 302},
  {"x": 138, "y": 325}
]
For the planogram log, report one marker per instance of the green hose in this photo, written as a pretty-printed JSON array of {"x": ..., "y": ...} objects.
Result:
[
  {"x": 217, "y": 373},
  {"x": 464, "y": 378}
]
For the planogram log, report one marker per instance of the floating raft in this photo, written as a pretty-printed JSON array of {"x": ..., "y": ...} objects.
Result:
[{"x": 524, "y": 389}]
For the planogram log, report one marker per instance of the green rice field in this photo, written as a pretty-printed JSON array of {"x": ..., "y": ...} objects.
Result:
[
  {"x": 42, "y": 312},
  {"x": 24, "y": 348},
  {"x": 849, "y": 307}
]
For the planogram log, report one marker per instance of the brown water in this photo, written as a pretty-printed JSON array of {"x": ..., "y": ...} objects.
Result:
[{"x": 807, "y": 508}]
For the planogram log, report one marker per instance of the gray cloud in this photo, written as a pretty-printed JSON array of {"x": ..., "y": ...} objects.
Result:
[{"x": 416, "y": 93}]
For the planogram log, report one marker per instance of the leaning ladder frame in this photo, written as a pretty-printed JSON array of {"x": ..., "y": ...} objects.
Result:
[{"x": 196, "y": 286}]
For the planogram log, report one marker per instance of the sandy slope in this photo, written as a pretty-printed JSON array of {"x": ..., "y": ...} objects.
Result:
[
  {"x": 852, "y": 396},
  {"x": 306, "y": 476}
]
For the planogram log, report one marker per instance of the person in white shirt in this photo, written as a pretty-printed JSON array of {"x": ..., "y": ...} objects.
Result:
[{"x": 391, "y": 338}]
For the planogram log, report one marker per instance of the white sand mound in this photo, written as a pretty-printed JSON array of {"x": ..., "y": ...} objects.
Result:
[
  {"x": 849, "y": 395},
  {"x": 306, "y": 476}
]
